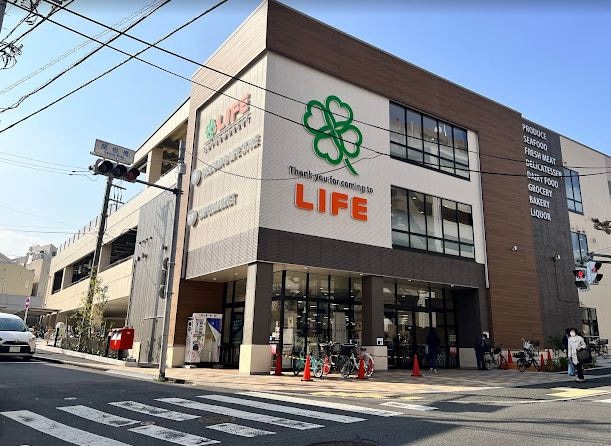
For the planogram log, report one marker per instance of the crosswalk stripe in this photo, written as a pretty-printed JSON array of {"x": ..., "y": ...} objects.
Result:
[
  {"x": 400, "y": 405},
  {"x": 238, "y": 429},
  {"x": 177, "y": 437},
  {"x": 98, "y": 416},
  {"x": 604, "y": 401},
  {"x": 58, "y": 430},
  {"x": 154, "y": 411},
  {"x": 284, "y": 409},
  {"x": 322, "y": 404},
  {"x": 284, "y": 422}
]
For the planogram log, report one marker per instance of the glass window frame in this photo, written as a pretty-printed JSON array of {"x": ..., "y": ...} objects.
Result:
[
  {"x": 428, "y": 154},
  {"x": 571, "y": 177},
  {"x": 417, "y": 239}
]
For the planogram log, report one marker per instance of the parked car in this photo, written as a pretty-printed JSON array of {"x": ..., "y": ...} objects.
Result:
[{"x": 15, "y": 338}]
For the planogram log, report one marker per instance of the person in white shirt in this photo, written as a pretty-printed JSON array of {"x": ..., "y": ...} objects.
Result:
[{"x": 576, "y": 343}]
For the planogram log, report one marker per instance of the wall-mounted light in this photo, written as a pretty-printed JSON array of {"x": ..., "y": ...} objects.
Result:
[
  {"x": 556, "y": 257},
  {"x": 514, "y": 248}
]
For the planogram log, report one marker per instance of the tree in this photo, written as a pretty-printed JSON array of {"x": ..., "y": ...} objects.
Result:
[
  {"x": 90, "y": 315},
  {"x": 604, "y": 225}
]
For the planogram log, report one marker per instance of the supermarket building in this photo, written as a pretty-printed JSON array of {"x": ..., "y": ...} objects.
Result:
[{"x": 337, "y": 192}]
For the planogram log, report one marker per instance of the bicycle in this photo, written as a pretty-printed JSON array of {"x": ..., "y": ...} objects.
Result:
[
  {"x": 494, "y": 357},
  {"x": 352, "y": 363},
  {"x": 527, "y": 357},
  {"x": 599, "y": 347},
  {"x": 298, "y": 364}
]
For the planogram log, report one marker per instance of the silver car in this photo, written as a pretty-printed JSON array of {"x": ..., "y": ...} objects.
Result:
[{"x": 15, "y": 338}]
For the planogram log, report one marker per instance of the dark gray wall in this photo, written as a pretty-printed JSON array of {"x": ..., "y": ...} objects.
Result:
[
  {"x": 145, "y": 307},
  {"x": 557, "y": 292}
]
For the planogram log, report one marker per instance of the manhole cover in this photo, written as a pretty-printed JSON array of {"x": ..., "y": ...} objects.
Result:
[
  {"x": 216, "y": 419},
  {"x": 345, "y": 443}
]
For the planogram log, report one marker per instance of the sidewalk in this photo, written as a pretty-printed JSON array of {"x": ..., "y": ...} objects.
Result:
[{"x": 382, "y": 384}]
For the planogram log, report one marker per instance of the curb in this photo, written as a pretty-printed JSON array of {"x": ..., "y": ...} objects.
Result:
[{"x": 102, "y": 367}]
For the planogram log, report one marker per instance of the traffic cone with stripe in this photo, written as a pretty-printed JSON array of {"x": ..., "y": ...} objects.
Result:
[
  {"x": 307, "y": 372},
  {"x": 278, "y": 369},
  {"x": 416, "y": 367},
  {"x": 542, "y": 363},
  {"x": 361, "y": 374},
  {"x": 549, "y": 356},
  {"x": 509, "y": 357}
]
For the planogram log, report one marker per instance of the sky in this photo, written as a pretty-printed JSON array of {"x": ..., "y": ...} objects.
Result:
[{"x": 550, "y": 61}]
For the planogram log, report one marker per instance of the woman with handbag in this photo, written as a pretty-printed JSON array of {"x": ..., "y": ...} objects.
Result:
[{"x": 575, "y": 345}]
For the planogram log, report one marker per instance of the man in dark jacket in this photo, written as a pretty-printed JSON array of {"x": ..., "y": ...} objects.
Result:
[
  {"x": 482, "y": 345},
  {"x": 432, "y": 344}
]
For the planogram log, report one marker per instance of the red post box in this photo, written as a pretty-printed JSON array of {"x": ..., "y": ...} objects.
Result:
[{"x": 122, "y": 339}]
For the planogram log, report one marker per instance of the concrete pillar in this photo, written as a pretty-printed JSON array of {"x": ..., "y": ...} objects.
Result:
[
  {"x": 153, "y": 165},
  {"x": 67, "y": 276},
  {"x": 105, "y": 256},
  {"x": 255, "y": 353},
  {"x": 373, "y": 320}
]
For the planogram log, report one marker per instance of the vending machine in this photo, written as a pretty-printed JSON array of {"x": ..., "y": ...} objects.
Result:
[{"x": 203, "y": 338}]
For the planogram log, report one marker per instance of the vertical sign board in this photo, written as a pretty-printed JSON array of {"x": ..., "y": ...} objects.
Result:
[{"x": 551, "y": 228}]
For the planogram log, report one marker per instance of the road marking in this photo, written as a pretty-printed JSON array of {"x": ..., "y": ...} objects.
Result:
[
  {"x": 98, "y": 416},
  {"x": 154, "y": 411},
  {"x": 604, "y": 401},
  {"x": 322, "y": 404},
  {"x": 177, "y": 437},
  {"x": 59, "y": 430},
  {"x": 408, "y": 406},
  {"x": 572, "y": 392},
  {"x": 285, "y": 422},
  {"x": 285, "y": 409},
  {"x": 237, "y": 429}
]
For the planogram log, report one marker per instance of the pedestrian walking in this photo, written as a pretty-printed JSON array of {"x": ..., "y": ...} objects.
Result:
[
  {"x": 482, "y": 345},
  {"x": 575, "y": 344},
  {"x": 432, "y": 344},
  {"x": 565, "y": 344}
]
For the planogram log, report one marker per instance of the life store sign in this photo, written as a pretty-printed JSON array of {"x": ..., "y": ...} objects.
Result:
[{"x": 541, "y": 170}]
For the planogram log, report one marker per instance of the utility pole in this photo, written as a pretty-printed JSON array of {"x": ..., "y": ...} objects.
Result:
[
  {"x": 97, "y": 253},
  {"x": 2, "y": 9},
  {"x": 171, "y": 264}
]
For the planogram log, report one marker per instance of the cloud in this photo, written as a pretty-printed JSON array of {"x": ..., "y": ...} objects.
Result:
[{"x": 14, "y": 244}]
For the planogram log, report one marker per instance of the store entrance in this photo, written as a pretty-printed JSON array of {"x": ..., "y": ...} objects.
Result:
[{"x": 410, "y": 314}]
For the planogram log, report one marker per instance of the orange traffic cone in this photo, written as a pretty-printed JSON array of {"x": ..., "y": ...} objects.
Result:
[
  {"x": 361, "y": 374},
  {"x": 278, "y": 369},
  {"x": 416, "y": 367},
  {"x": 509, "y": 357},
  {"x": 307, "y": 372},
  {"x": 542, "y": 362},
  {"x": 549, "y": 356}
]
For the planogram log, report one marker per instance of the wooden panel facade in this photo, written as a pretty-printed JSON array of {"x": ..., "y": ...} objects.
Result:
[{"x": 514, "y": 296}]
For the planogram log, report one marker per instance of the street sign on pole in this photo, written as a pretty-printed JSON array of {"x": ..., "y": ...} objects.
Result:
[{"x": 113, "y": 152}]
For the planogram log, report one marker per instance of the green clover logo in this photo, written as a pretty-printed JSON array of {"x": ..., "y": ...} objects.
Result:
[
  {"x": 330, "y": 142},
  {"x": 211, "y": 129}
]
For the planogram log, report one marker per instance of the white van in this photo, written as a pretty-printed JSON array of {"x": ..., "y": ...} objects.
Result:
[{"x": 15, "y": 338}]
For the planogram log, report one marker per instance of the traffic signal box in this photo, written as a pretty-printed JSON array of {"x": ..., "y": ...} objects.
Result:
[
  {"x": 593, "y": 275},
  {"x": 581, "y": 278},
  {"x": 116, "y": 170}
]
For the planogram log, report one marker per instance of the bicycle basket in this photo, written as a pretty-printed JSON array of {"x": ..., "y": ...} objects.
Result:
[
  {"x": 496, "y": 350},
  {"x": 603, "y": 341},
  {"x": 519, "y": 355},
  {"x": 346, "y": 349}
]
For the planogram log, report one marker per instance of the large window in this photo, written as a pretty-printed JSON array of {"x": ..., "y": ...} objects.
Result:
[
  {"x": 427, "y": 141},
  {"x": 573, "y": 191},
  {"x": 430, "y": 223},
  {"x": 589, "y": 322},
  {"x": 580, "y": 247}
]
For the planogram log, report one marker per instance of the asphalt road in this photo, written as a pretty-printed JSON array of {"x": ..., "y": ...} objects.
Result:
[{"x": 49, "y": 404}]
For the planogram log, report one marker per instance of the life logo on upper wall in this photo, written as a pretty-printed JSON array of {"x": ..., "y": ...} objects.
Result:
[{"x": 337, "y": 141}]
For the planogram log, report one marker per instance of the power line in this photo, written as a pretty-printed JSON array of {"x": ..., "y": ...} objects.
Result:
[
  {"x": 83, "y": 44},
  {"x": 111, "y": 69},
  {"x": 135, "y": 56},
  {"x": 238, "y": 79},
  {"x": 41, "y": 161},
  {"x": 35, "y": 215},
  {"x": 81, "y": 60},
  {"x": 37, "y": 232}
]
